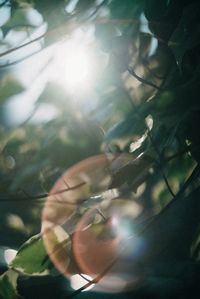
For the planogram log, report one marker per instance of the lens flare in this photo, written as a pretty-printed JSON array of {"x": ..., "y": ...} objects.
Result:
[
  {"x": 90, "y": 227},
  {"x": 73, "y": 65},
  {"x": 77, "y": 281}
]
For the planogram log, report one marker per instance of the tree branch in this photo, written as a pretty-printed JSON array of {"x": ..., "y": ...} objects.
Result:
[{"x": 144, "y": 81}]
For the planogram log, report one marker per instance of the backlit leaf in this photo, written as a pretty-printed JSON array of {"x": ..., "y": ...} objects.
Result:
[{"x": 33, "y": 250}]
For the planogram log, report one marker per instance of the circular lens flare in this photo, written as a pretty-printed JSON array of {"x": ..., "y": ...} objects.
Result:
[
  {"x": 89, "y": 227},
  {"x": 108, "y": 244}
]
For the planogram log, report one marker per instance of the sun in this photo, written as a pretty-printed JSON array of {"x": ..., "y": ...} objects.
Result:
[
  {"x": 72, "y": 65},
  {"x": 77, "y": 67}
]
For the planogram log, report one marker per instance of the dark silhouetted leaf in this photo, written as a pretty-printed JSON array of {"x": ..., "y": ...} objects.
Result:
[{"x": 187, "y": 34}]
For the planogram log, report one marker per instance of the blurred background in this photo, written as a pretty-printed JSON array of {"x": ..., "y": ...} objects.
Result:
[{"x": 81, "y": 78}]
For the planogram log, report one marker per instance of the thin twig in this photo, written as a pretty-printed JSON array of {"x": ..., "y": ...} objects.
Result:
[
  {"x": 44, "y": 195},
  {"x": 145, "y": 63},
  {"x": 181, "y": 152},
  {"x": 53, "y": 32},
  {"x": 167, "y": 184},
  {"x": 101, "y": 214},
  {"x": 144, "y": 81},
  {"x": 115, "y": 259},
  {"x": 194, "y": 175},
  {"x": 160, "y": 164},
  {"x": 82, "y": 275},
  {"x": 9, "y": 51},
  {"x": 38, "y": 197},
  {"x": 30, "y": 116},
  {"x": 98, "y": 7},
  {"x": 93, "y": 281}
]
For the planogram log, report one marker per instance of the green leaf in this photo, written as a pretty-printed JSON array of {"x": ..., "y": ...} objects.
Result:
[
  {"x": 8, "y": 284},
  {"x": 30, "y": 258},
  {"x": 33, "y": 259},
  {"x": 9, "y": 86},
  {"x": 26, "y": 16},
  {"x": 187, "y": 34}
]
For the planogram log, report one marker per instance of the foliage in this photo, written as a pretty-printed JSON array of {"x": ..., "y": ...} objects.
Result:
[
  {"x": 8, "y": 284},
  {"x": 143, "y": 106}
]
